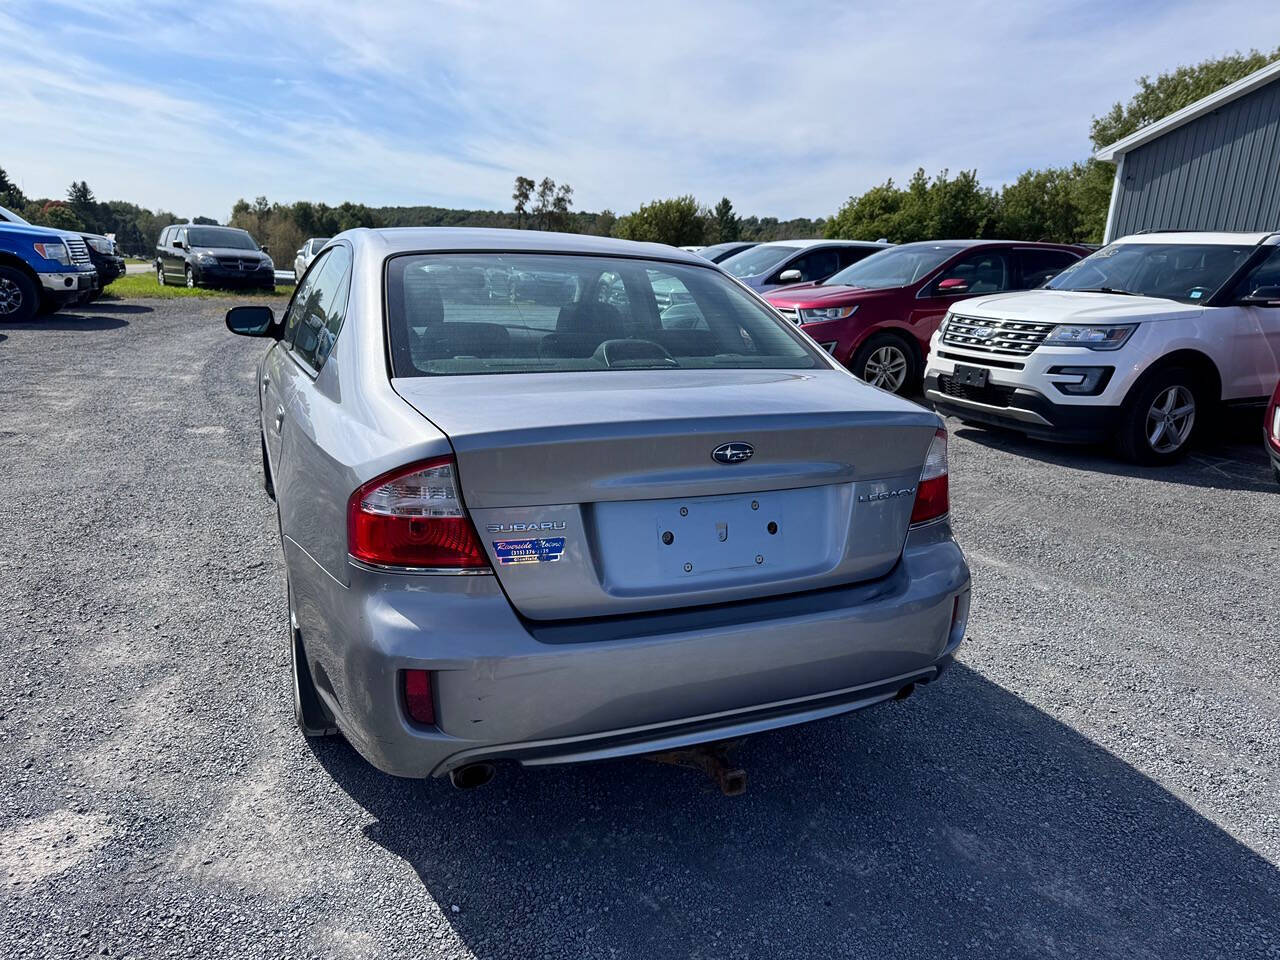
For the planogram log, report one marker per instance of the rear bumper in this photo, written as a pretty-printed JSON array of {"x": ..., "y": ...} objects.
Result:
[
  {"x": 507, "y": 689},
  {"x": 1029, "y": 412}
]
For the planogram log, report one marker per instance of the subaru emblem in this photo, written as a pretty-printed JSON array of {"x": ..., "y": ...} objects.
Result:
[{"x": 735, "y": 452}]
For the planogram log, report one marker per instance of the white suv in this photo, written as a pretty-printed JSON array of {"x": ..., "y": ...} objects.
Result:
[{"x": 1135, "y": 344}]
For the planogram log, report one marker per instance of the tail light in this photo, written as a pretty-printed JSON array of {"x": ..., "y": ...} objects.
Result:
[
  {"x": 417, "y": 696},
  {"x": 933, "y": 497},
  {"x": 414, "y": 517}
]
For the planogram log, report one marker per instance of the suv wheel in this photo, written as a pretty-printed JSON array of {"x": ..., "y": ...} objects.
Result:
[
  {"x": 19, "y": 299},
  {"x": 191, "y": 278},
  {"x": 1159, "y": 417},
  {"x": 309, "y": 711},
  {"x": 885, "y": 361},
  {"x": 160, "y": 274}
]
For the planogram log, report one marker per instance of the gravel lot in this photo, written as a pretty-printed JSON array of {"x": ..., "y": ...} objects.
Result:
[{"x": 1098, "y": 777}]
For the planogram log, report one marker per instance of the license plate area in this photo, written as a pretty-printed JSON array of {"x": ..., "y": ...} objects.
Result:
[
  {"x": 698, "y": 542},
  {"x": 967, "y": 376}
]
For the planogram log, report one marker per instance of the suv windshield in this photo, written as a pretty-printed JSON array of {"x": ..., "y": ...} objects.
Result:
[
  {"x": 220, "y": 237},
  {"x": 757, "y": 260},
  {"x": 450, "y": 314},
  {"x": 1190, "y": 273},
  {"x": 896, "y": 267}
]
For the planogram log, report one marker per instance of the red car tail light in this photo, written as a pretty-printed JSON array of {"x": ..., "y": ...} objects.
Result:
[
  {"x": 417, "y": 696},
  {"x": 933, "y": 496},
  {"x": 414, "y": 517}
]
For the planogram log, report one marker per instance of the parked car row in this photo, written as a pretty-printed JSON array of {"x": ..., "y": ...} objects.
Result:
[{"x": 18, "y": 302}]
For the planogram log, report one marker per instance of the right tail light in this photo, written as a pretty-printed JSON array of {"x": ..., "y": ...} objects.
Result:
[{"x": 933, "y": 496}]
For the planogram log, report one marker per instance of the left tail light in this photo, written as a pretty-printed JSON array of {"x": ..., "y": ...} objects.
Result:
[
  {"x": 933, "y": 495},
  {"x": 414, "y": 517}
]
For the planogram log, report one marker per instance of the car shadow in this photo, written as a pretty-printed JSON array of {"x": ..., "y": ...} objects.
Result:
[
  {"x": 112, "y": 307},
  {"x": 1228, "y": 454},
  {"x": 69, "y": 321},
  {"x": 964, "y": 822}
]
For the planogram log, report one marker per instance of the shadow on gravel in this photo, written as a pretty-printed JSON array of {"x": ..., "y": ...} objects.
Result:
[
  {"x": 1228, "y": 455},
  {"x": 112, "y": 306},
  {"x": 69, "y": 321},
  {"x": 963, "y": 822}
]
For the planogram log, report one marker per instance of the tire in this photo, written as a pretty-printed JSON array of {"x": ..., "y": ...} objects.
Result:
[
  {"x": 886, "y": 361},
  {"x": 19, "y": 297},
  {"x": 160, "y": 274},
  {"x": 267, "y": 483},
  {"x": 309, "y": 711},
  {"x": 1160, "y": 417},
  {"x": 191, "y": 278}
]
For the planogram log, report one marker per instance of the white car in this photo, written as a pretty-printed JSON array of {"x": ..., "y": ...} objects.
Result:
[
  {"x": 1135, "y": 344},
  {"x": 306, "y": 253}
]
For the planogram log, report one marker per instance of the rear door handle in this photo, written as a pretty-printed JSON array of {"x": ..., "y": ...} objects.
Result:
[{"x": 279, "y": 418}]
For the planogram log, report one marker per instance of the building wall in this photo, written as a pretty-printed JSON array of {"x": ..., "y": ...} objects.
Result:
[{"x": 1218, "y": 172}]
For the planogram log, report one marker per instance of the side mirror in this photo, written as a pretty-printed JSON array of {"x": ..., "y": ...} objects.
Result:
[
  {"x": 1263, "y": 297},
  {"x": 253, "y": 322},
  {"x": 790, "y": 276},
  {"x": 264, "y": 248},
  {"x": 179, "y": 245},
  {"x": 953, "y": 285},
  {"x": 299, "y": 253}
]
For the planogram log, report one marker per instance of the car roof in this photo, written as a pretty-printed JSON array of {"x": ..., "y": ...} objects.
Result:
[
  {"x": 1199, "y": 237},
  {"x": 801, "y": 244},
  {"x": 393, "y": 240}
]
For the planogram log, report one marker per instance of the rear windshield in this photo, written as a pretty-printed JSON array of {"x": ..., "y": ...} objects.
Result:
[
  {"x": 896, "y": 267},
  {"x": 220, "y": 237},
  {"x": 450, "y": 314},
  {"x": 1191, "y": 273}
]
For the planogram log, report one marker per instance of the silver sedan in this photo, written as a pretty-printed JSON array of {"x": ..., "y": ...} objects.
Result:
[{"x": 549, "y": 498}]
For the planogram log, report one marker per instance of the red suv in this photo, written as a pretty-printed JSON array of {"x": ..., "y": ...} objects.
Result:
[{"x": 877, "y": 315}]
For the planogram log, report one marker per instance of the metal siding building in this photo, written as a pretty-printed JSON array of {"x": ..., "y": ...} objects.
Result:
[{"x": 1213, "y": 165}]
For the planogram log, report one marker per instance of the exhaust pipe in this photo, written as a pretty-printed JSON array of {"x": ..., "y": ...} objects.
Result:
[
  {"x": 905, "y": 692},
  {"x": 472, "y": 775}
]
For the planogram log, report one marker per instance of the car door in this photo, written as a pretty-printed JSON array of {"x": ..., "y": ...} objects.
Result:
[
  {"x": 814, "y": 265},
  {"x": 162, "y": 244},
  {"x": 1036, "y": 265},
  {"x": 975, "y": 274},
  {"x": 175, "y": 263},
  {"x": 1255, "y": 335}
]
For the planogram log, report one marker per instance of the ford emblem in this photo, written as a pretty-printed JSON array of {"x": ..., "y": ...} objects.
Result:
[{"x": 735, "y": 452}]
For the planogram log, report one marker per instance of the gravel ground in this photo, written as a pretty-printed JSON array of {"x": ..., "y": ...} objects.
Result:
[{"x": 1098, "y": 777}]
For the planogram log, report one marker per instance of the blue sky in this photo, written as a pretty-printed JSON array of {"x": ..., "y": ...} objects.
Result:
[{"x": 785, "y": 108}]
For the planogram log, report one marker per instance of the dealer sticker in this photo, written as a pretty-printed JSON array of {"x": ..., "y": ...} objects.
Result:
[{"x": 536, "y": 550}]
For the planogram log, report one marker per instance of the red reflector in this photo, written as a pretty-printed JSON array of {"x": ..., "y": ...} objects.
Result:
[{"x": 417, "y": 697}]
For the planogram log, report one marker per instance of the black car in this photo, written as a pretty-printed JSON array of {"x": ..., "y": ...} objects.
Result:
[
  {"x": 723, "y": 251},
  {"x": 106, "y": 260},
  {"x": 197, "y": 255}
]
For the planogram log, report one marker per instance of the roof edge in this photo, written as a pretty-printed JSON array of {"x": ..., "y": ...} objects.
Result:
[{"x": 1192, "y": 111}]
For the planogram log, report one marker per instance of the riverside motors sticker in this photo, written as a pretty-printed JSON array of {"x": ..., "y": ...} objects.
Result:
[{"x": 536, "y": 550}]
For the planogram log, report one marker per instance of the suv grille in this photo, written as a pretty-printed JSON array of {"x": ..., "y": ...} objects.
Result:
[
  {"x": 78, "y": 249},
  {"x": 991, "y": 394},
  {"x": 1011, "y": 337}
]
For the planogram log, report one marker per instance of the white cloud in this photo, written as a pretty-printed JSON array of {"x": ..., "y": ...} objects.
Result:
[{"x": 786, "y": 110}]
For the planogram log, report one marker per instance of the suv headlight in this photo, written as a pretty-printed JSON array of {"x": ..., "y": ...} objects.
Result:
[
  {"x": 827, "y": 313},
  {"x": 207, "y": 260},
  {"x": 54, "y": 250},
  {"x": 102, "y": 245},
  {"x": 267, "y": 264},
  {"x": 1095, "y": 338}
]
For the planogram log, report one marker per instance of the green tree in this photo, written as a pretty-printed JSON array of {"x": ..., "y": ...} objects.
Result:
[
  {"x": 726, "y": 226},
  {"x": 1172, "y": 91},
  {"x": 679, "y": 222},
  {"x": 926, "y": 209},
  {"x": 560, "y": 204},
  {"x": 543, "y": 202},
  {"x": 10, "y": 195},
  {"x": 521, "y": 195},
  {"x": 58, "y": 215}
]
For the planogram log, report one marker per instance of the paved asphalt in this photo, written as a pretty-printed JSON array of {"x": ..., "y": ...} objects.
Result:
[{"x": 1099, "y": 776}]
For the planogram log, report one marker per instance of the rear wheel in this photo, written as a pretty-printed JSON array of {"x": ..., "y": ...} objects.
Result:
[
  {"x": 19, "y": 298},
  {"x": 887, "y": 362},
  {"x": 309, "y": 711},
  {"x": 1160, "y": 416}
]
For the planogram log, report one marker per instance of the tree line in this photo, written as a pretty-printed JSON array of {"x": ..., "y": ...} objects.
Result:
[{"x": 1065, "y": 204}]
